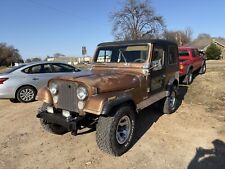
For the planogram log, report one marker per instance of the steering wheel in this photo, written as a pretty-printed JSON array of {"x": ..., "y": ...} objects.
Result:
[{"x": 139, "y": 60}]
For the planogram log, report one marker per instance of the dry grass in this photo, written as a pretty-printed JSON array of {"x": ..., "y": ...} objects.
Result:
[{"x": 208, "y": 89}]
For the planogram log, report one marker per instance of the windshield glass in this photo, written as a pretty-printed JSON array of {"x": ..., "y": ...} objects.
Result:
[
  {"x": 12, "y": 69},
  {"x": 122, "y": 54},
  {"x": 183, "y": 53}
]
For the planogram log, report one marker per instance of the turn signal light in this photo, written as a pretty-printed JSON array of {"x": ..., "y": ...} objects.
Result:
[
  {"x": 181, "y": 67},
  {"x": 2, "y": 80}
]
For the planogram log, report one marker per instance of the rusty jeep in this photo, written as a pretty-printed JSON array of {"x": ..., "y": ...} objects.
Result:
[{"x": 125, "y": 77}]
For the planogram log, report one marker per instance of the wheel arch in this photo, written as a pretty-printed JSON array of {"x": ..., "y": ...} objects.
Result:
[
  {"x": 25, "y": 86},
  {"x": 175, "y": 83},
  {"x": 110, "y": 106},
  {"x": 172, "y": 82},
  {"x": 190, "y": 67}
]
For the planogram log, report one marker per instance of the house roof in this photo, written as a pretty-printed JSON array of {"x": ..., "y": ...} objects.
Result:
[
  {"x": 221, "y": 42},
  {"x": 204, "y": 42}
]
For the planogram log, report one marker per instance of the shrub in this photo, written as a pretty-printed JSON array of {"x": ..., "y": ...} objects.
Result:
[{"x": 213, "y": 52}]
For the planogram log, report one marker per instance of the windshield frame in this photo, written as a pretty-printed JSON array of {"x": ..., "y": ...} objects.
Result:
[{"x": 120, "y": 48}]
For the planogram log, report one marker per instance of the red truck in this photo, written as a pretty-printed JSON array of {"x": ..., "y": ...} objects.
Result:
[{"x": 191, "y": 60}]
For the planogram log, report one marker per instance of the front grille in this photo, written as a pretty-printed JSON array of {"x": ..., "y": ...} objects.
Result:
[{"x": 67, "y": 96}]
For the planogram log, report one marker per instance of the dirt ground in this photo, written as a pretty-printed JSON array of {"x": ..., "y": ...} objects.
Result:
[{"x": 193, "y": 137}]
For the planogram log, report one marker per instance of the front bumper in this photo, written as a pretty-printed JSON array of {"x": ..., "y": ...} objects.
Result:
[{"x": 71, "y": 124}]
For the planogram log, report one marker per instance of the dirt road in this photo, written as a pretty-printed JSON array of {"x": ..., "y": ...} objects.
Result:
[{"x": 162, "y": 141}]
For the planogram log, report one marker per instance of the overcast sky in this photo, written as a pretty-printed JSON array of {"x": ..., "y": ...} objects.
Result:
[{"x": 44, "y": 27}]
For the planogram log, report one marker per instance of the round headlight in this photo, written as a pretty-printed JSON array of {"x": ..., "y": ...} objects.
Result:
[
  {"x": 53, "y": 88},
  {"x": 82, "y": 93}
]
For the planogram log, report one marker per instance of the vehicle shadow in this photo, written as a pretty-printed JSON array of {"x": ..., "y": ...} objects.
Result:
[
  {"x": 15, "y": 101},
  {"x": 183, "y": 89},
  {"x": 150, "y": 115},
  {"x": 145, "y": 119},
  {"x": 209, "y": 158}
]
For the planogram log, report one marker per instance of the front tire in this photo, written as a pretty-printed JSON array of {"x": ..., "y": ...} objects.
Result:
[
  {"x": 51, "y": 127},
  {"x": 114, "y": 134},
  {"x": 26, "y": 94}
]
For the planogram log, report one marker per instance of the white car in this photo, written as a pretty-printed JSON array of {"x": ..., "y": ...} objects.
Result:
[{"x": 21, "y": 83}]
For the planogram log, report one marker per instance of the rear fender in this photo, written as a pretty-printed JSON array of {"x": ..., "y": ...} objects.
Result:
[
  {"x": 189, "y": 68},
  {"x": 173, "y": 81}
]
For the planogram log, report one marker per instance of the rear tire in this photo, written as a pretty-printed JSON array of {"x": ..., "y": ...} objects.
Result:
[
  {"x": 202, "y": 69},
  {"x": 26, "y": 94},
  {"x": 50, "y": 127},
  {"x": 189, "y": 78},
  {"x": 170, "y": 102},
  {"x": 114, "y": 135}
]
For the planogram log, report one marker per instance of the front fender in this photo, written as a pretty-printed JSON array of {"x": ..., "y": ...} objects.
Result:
[
  {"x": 104, "y": 103},
  {"x": 44, "y": 95},
  {"x": 109, "y": 105}
]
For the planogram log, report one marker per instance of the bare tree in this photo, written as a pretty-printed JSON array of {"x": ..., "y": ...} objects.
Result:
[
  {"x": 188, "y": 32},
  {"x": 136, "y": 20},
  {"x": 203, "y": 35},
  {"x": 180, "y": 37}
]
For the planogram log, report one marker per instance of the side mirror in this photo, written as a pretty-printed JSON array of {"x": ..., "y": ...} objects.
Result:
[{"x": 156, "y": 65}]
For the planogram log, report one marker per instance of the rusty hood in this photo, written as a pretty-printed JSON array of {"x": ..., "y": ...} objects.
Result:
[{"x": 107, "y": 80}]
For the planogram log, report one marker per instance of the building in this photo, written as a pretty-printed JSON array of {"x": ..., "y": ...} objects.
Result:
[
  {"x": 204, "y": 42},
  {"x": 71, "y": 59}
]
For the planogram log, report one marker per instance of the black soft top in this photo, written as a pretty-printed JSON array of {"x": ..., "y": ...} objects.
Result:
[{"x": 136, "y": 42}]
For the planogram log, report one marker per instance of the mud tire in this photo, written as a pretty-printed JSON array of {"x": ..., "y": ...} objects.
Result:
[{"x": 107, "y": 131}]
